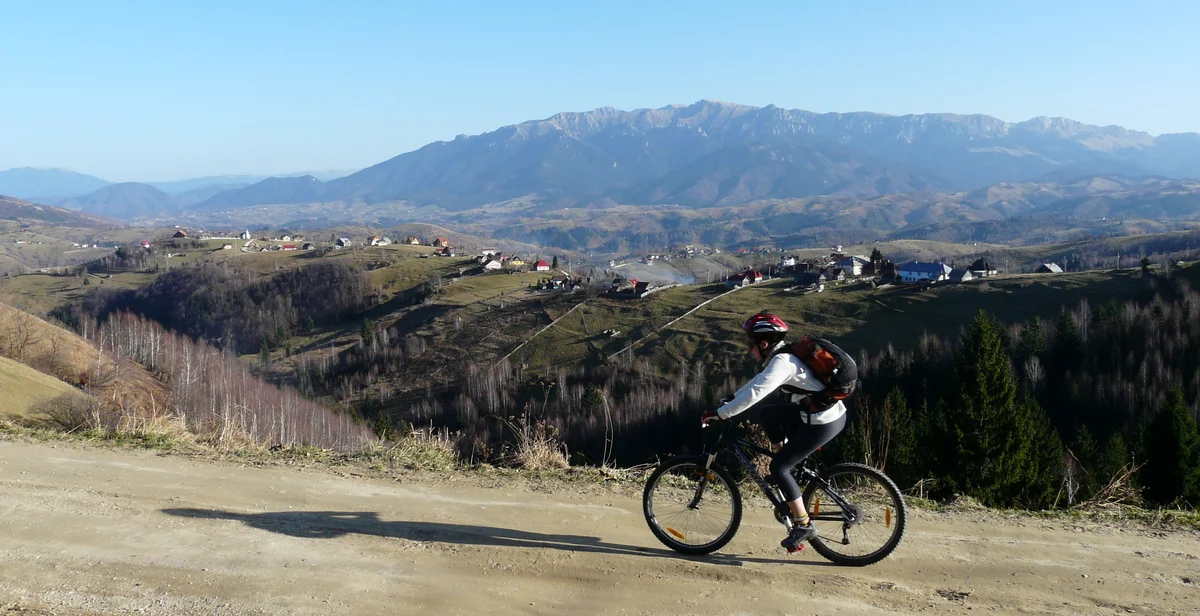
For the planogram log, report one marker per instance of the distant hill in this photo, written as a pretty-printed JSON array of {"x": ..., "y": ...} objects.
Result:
[
  {"x": 46, "y": 184},
  {"x": 125, "y": 200},
  {"x": 24, "y": 211},
  {"x": 304, "y": 189},
  {"x": 216, "y": 183},
  {"x": 721, "y": 153}
]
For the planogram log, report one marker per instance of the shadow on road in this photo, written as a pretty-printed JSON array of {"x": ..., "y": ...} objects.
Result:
[{"x": 332, "y": 524}]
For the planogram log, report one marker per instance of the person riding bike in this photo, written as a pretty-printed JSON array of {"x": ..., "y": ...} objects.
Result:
[{"x": 795, "y": 428}]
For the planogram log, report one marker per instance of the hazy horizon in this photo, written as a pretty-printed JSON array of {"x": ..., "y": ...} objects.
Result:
[{"x": 160, "y": 93}]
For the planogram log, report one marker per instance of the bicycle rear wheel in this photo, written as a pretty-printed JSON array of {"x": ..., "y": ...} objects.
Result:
[
  {"x": 872, "y": 525},
  {"x": 690, "y": 509}
]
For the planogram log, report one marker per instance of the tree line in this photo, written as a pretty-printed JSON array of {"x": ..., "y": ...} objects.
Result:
[
  {"x": 232, "y": 308},
  {"x": 218, "y": 398}
]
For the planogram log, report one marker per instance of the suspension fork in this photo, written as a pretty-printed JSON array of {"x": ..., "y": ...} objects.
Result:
[{"x": 709, "y": 458}]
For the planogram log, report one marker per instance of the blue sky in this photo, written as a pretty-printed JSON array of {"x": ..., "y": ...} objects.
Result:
[{"x": 155, "y": 91}]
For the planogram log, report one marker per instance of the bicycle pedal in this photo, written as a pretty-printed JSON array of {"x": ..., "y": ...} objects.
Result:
[{"x": 799, "y": 548}]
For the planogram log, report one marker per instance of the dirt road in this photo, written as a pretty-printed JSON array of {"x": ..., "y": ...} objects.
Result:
[{"x": 93, "y": 531}]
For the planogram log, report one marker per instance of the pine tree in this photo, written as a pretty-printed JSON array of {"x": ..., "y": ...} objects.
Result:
[
  {"x": 1172, "y": 470},
  {"x": 902, "y": 443},
  {"x": 1087, "y": 455},
  {"x": 1113, "y": 457},
  {"x": 264, "y": 357},
  {"x": 1047, "y": 457},
  {"x": 876, "y": 256},
  {"x": 367, "y": 332},
  {"x": 554, "y": 264},
  {"x": 988, "y": 436},
  {"x": 1031, "y": 342}
]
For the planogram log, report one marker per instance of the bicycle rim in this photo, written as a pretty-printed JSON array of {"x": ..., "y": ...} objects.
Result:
[
  {"x": 685, "y": 522},
  {"x": 872, "y": 526}
]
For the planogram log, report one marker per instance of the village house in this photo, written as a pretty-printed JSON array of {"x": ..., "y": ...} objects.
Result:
[
  {"x": 441, "y": 242},
  {"x": 959, "y": 276},
  {"x": 384, "y": 241},
  {"x": 808, "y": 279},
  {"x": 289, "y": 246},
  {"x": 834, "y": 274},
  {"x": 307, "y": 246},
  {"x": 285, "y": 238},
  {"x": 412, "y": 240},
  {"x": 852, "y": 265},
  {"x": 743, "y": 279},
  {"x": 487, "y": 252},
  {"x": 981, "y": 269},
  {"x": 785, "y": 262},
  {"x": 245, "y": 235},
  {"x": 251, "y": 245},
  {"x": 642, "y": 287},
  {"x": 343, "y": 242},
  {"x": 372, "y": 240},
  {"x": 515, "y": 261},
  {"x": 541, "y": 266},
  {"x": 924, "y": 272},
  {"x": 1049, "y": 268},
  {"x": 181, "y": 234},
  {"x": 558, "y": 281},
  {"x": 492, "y": 265}
]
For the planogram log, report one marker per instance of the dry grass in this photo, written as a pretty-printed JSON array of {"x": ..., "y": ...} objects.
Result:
[
  {"x": 22, "y": 388},
  {"x": 428, "y": 450},
  {"x": 537, "y": 445},
  {"x": 58, "y": 353}
]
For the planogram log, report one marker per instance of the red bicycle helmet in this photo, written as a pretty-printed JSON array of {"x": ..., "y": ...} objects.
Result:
[{"x": 765, "y": 326}]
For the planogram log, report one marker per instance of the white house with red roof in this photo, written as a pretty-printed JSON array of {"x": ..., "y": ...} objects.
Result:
[{"x": 541, "y": 266}]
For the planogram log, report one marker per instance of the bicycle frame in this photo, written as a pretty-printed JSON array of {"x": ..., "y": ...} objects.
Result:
[{"x": 739, "y": 446}]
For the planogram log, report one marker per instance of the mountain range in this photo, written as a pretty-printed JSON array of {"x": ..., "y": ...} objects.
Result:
[
  {"x": 712, "y": 153},
  {"x": 704, "y": 155},
  {"x": 60, "y": 185}
]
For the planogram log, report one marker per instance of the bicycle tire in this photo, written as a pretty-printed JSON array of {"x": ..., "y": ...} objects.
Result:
[
  {"x": 892, "y": 490},
  {"x": 651, "y": 517}
]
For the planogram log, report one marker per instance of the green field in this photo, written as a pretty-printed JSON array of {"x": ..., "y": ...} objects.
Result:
[{"x": 22, "y": 388}]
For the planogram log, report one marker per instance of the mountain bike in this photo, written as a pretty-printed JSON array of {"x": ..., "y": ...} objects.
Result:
[{"x": 694, "y": 506}]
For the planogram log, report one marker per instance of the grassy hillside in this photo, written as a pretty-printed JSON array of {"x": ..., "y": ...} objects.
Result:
[
  {"x": 61, "y": 354},
  {"x": 25, "y": 387},
  {"x": 856, "y": 315}
]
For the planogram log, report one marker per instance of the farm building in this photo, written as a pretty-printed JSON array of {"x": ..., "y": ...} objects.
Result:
[{"x": 924, "y": 272}]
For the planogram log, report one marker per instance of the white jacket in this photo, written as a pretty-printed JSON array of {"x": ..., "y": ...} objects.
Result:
[{"x": 782, "y": 369}]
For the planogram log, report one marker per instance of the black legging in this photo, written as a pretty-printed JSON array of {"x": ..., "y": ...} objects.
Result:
[{"x": 781, "y": 420}]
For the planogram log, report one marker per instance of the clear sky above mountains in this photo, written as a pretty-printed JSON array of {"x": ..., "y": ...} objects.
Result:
[{"x": 159, "y": 91}]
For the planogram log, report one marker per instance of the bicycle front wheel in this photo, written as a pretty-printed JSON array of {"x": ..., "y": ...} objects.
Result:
[
  {"x": 868, "y": 527},
  {"x": 692, "y": 510}
]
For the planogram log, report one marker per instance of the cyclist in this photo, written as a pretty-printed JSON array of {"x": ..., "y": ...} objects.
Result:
[{"x": 796, "y": 430}]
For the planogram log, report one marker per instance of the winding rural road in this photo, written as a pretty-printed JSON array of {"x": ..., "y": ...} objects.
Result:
[{"x": 86, "y": 530}]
